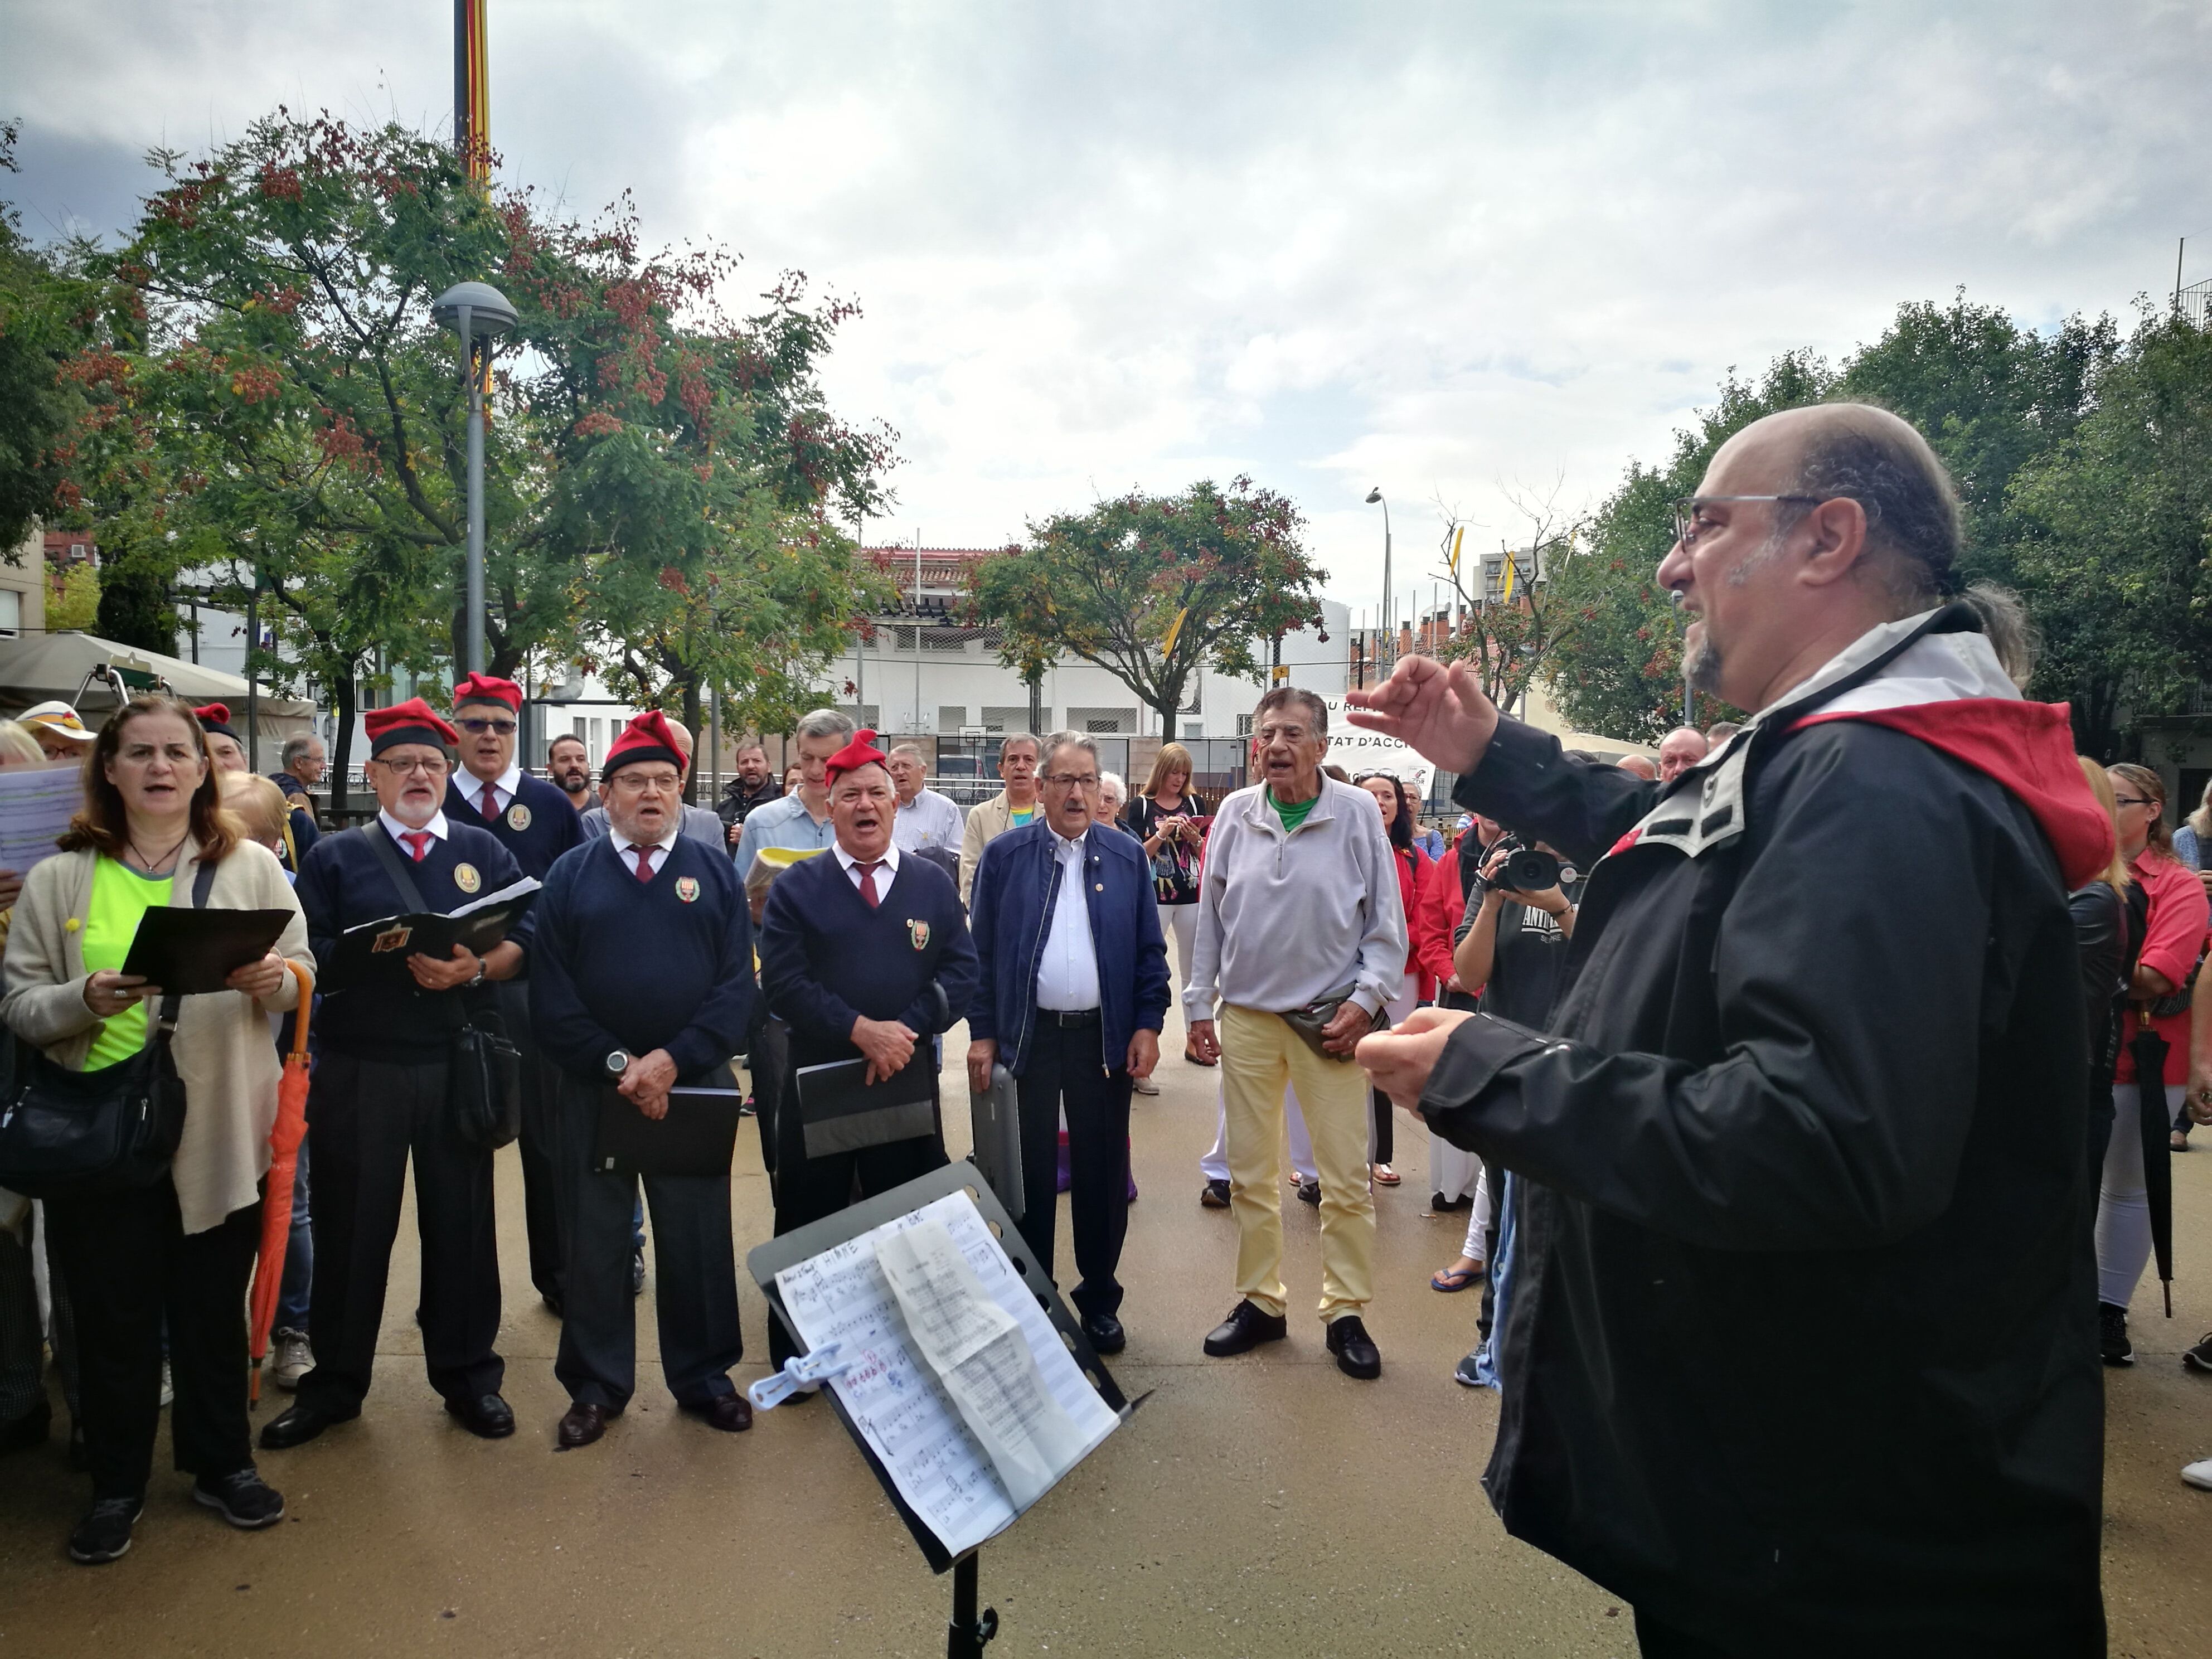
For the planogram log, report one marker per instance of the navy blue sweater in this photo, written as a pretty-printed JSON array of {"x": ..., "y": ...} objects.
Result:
[
  {"x": 826, "y": 957},
  {"x": 342, "y": 883},
  {"x": 537, "y": 827},
  {"x": 621, "y": 963}
]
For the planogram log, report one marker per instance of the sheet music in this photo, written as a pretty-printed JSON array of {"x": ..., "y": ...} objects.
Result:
[
  {"x": 36, "y": 804},
  {"x": 980, "y": 1357},
  {"x": 893, "y": 1395}
]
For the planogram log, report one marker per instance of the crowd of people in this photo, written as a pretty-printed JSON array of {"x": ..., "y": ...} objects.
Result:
[{"x": 1739, "y": 1149}]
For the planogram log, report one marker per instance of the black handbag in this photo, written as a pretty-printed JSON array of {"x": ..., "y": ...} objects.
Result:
[
  {"x": 484, "y": 1070},
  {"x": 80, "y": 1135}
]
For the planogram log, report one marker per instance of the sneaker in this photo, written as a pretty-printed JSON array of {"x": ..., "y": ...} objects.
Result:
[
  {"x": 2112, "y": 1335},
  {"x": 2199, "y": 1358},
  {"x": 1310, "y": 1191},
  {"x": 637, "y": 1273},
  {"x": 294, "y": 1360},
  {"x": 241, "y": 1497},
  {"x": 1214, "y": 1195},
  {"x": 2198, "y": 1474},
  {"x": 1464, "y": 1373},
  {"x": 104, "y": 1534},
  {"x": 1143, "y": 1085}
]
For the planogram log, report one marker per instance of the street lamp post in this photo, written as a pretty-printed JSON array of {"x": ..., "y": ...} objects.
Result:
[
  {"x": 1389, "y": 617},
  {"x": 475, "y": 311}
]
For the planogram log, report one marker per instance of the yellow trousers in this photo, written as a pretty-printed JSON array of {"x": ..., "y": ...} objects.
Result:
[{"x": 1260, "y": 1054}]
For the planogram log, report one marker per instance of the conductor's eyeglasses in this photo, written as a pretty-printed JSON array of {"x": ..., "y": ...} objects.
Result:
[{"x": 1689, "y": 526}]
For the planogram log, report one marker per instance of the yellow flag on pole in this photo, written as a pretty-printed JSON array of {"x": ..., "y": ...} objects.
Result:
[
  {"x": 1167, "y": 646},
  {"x": 1512, "y": 570}
]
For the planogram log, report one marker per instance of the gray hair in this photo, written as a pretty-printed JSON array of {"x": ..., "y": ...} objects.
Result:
[
  {"x": 1112, "y": 780},
  {"x": 823, "y": 723},
  {"x": 1059, "y": 740},
  {"x": 1029, "y": 737},
  {"x": 913, "y": 748},
  {"x": 295, "y": 749},
  {"x": 1284, "y": 695}
]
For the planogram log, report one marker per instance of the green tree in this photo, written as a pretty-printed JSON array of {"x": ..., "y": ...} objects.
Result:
[
  {"x": 1619, "y": 670},
  {"x": 76, "y": 605},
  {"x": 1148, "y": 588},
  {"x": 44, "y": 300}
]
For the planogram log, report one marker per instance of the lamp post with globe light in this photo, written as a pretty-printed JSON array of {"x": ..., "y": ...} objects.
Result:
[{"x": 474, "y": 311}]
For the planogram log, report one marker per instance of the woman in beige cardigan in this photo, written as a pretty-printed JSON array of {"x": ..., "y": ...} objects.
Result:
[{"x": 183, "y": 1248}]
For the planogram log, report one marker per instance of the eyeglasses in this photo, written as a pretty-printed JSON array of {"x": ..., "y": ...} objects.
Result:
[
  {"x": 478, "y": 728},
  {"x": 402, "y": 768},
  {"x": 1686, "y": 527},
  {"x": 1073, "y": 780}
]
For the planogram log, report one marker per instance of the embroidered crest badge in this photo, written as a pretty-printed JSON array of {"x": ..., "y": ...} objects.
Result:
[
  {"x": 466, "y": 878},
  {"x": 518, "y": 816},
  {"x": 391, "y": 938},
  {"x": 687, "y": 887},
  {"x": 919, "y": 932}
]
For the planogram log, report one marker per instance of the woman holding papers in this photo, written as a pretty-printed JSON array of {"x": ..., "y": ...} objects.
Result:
[{"x": 152, "y": 833}]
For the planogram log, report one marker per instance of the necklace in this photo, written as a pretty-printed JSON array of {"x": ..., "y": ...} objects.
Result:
[{"x": 150, "y": 865}]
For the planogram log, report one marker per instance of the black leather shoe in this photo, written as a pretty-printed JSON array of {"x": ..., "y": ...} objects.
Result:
[
  {"x": 1309, "y": 1192},
  {"x": 1214, "y": 1195},
  {"x": 488, "y": 1417},
  {"x": 1245, "y": 1329},
  {"x": 1105, "y": 1333},
  {"x": 732, "y": 1413},
  {"x": 297, "y": 1425},
  {"x": 1355, "y": 1350},
  {"x": 552, "y": 1303},
  {"x": 582, "y": 1424}
]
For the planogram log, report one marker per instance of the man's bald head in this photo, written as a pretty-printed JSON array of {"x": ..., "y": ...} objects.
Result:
[{"x": 1679, "y": 751}]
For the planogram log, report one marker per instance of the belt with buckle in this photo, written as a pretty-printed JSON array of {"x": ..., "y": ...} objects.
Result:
[{"x": 1065, "y": 1017}]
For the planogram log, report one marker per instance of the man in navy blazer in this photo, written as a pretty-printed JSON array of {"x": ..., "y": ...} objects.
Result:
[{"x": 1074, "y": 989}]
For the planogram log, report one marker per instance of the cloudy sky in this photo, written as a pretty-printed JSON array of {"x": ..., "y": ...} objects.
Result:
[{"x": 1446, "y": 249}]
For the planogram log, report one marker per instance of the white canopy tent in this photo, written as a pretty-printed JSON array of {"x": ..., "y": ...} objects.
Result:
[{"x": 85, "y": 670}]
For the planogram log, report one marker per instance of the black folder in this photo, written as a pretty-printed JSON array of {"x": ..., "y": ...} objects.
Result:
[
  {"x": 377, "y": 952},
  {"x": 191, "y": 951},
  {"x": 699, "y": 1136},
  {"x": 841, "y": 1111}
]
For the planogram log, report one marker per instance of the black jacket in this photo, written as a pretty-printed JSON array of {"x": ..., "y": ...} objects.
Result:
[{"x": 1800, "y": 1349}]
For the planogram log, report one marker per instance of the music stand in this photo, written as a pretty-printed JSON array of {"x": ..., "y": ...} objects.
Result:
[{"x": 968, "y": 1633}]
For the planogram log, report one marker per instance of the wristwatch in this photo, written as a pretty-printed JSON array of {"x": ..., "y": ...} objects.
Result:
[
  {"x": 483, "y": 969},
  {"x": 617, "y": 1061}
]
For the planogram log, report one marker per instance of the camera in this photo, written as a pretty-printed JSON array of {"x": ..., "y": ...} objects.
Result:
[{"x": 1528, "y": 869}]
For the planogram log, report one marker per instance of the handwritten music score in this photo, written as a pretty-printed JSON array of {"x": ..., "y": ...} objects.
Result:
[{"x": 894, "y": 1397}]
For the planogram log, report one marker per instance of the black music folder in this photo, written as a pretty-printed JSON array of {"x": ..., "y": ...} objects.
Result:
[
  {"x": 377, "y": 950},
  {"x": 193, "y": 951},
  {"x": 841, "y": 1111},
  {"x": 699, "y": 1136}
]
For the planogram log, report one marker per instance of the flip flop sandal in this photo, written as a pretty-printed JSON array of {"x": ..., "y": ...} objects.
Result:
[
  {"x": 1386, "y": 1176},
  {"x": 1454, "y": 1280}
]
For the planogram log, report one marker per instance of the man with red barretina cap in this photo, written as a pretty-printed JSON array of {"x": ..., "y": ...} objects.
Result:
[
  {"x": 864, "y": 954},
  {"x": 490, "y": 791},
  {"x": 643, "y": 1020},
  {"x": 222, "y": 740},
  {"x": 379, "y": 1095}
]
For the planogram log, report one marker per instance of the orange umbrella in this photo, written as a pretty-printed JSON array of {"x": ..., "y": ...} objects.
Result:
[{"x": 291, "y": 1128}]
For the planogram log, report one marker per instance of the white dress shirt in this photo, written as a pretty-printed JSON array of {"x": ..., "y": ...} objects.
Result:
[
  {"x": 502, "y": 789},
  {"x": 1067, "y": 965},
  {"x": 399, "y": 831},
  {"x": 889, "y": 864},
  {"x": 658, "y": 855}
]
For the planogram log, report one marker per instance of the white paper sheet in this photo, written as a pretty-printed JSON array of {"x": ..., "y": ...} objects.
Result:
[
  {"x": 909, "y": 1421},
  {"x": 36, "y": 804},
  {"x": 981, "y": 1356}
]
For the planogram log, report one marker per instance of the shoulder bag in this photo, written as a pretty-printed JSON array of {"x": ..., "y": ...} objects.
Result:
[
  {"x": 78, "y": 1134},
  {"x": 484, "y": 1070}
]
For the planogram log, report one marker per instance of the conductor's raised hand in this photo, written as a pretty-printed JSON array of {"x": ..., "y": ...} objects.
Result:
[
  {"x": 1399, "y": 1061},
  {"x": 887, "y": 1045},
  {"x": 1432, "y": 706}
]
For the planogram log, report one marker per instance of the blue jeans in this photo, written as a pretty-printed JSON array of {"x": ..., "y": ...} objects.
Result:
[{"x": 299, "y": 1257}]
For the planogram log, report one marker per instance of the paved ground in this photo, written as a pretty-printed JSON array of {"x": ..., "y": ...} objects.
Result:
[{"x": 1266, "y": 1505}]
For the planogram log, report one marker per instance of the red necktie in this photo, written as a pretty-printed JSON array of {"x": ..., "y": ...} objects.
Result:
[
  {"x": 418, "y": 843},
  {"x": 644, "y": 862},
  {"x": 868, "y": 882},
  {"x": 490, "y": 807}
]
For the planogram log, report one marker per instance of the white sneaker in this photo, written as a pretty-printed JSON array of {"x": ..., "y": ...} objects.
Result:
[
  {"x": 293, "y": 1359},
  {"x": 1143, "y": 1085},
  {"x": 2198, "y": 1474}
]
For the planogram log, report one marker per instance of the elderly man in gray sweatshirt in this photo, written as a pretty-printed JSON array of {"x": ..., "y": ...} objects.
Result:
[{"x": 1301, "y": 940}]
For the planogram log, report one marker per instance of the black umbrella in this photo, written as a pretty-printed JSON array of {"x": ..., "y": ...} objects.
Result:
[{"x": 2154, "y": 1123}]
